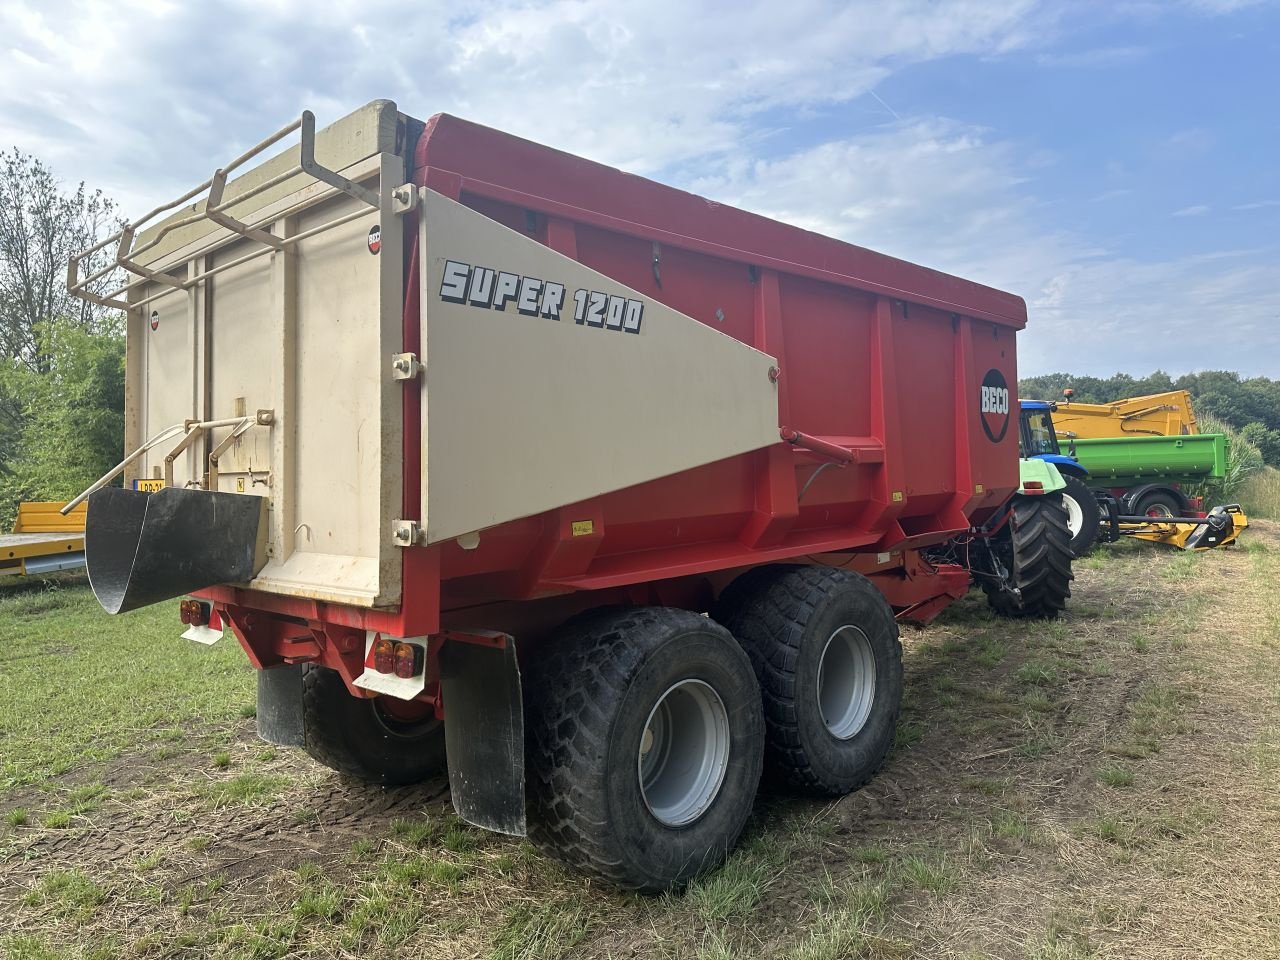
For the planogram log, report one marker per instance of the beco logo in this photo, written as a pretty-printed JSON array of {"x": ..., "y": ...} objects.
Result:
[{"x": 995, "y": 405}]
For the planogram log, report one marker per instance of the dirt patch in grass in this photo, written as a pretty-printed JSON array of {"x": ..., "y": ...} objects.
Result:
[{"x": 1102, "y": 786}]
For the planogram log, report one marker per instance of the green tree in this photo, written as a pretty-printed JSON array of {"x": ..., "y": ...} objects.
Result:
[
  {"x": 72, "y": 417},
  {"x": 1267, "y": 441},
  {"x": 60, "y": 387}
]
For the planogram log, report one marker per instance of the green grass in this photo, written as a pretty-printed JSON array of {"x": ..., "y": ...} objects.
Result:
[
  {"x": 934, "y": 874},
  {"x": 547, "y": 931},
  {"x": 1115, "y": 775},
  {"x": 110, "y": 702},
  {"x": 731, "y": 891},
  {"x": 1010, "y": 825},
  {"x": 898, "y": 870},
  {"x": 246, "y": 790},
  {"x": 1259, "y": 496},
  {"x": 1038, "y": 673},
  {"x": 68, "y": 894}
]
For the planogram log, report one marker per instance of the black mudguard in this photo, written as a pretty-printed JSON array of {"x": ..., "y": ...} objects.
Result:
[
  {"x": 280, "y": 712},
  {"x": 484, "y": 734}
]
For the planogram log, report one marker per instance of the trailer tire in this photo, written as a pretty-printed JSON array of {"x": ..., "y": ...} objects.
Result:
[
  {"x": 614, "y": 690},
  {"x": 1084, "y": 518},
  {"x": 1159, "y": 503},
  {"x": 824, "y": 645},
  {"x": 357, "y": 738},
  {"x": 1035, "y": 549}
]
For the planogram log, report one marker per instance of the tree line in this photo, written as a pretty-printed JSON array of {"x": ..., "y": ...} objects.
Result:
[
  {"x": 1248, "y": 407},
  {"x": 61, "y": 358}
]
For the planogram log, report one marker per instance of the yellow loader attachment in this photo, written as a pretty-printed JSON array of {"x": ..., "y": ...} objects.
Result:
[{"x": 1220, "y": 527}]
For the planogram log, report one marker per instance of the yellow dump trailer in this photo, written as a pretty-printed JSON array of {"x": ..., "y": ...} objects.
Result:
[
  {"x": 43, "y": 540},
  {"x": 1157, "y": 415}
]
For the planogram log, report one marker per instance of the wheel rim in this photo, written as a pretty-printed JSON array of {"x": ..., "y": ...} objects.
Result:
[
  {"x": 1075, "y": 515},
  {"x": 1159, "y": 510},
  {"x": 684, "y": 752},
  {"x": 846, "y": 682}
]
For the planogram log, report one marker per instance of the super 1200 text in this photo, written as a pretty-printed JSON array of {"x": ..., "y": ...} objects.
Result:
[{"x": 493, "y": 289}]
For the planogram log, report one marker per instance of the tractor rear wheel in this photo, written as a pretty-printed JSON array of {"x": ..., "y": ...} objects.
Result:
[
  {"x": 378, "y": 740},
  {"x": 824, "y": 645},
  {"x": 1083, "y": 516},
  {"x": 1032, "y": 557},
  {"x": 644, "y": 743}
]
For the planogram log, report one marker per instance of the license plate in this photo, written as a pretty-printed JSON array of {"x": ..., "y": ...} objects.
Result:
[{"x": 148, "y": 486}]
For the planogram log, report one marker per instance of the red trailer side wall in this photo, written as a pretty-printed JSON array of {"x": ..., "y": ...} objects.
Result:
[{"x": 879, "y": 356}]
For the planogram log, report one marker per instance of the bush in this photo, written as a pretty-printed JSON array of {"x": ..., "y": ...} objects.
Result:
[
  {"x": 71, "y": 424},
  {"x": 1244, "y": 460}
]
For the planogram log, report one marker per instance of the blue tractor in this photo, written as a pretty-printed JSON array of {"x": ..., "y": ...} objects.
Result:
[{"x": 1037, "y": 440}]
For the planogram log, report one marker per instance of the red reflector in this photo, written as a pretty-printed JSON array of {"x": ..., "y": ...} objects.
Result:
[
  {"x": 384, "y": 656},
  {"x": 408, "y": 660},
  {"x": 195, "y": 613},
  {"x": 1033, "y": 486}
]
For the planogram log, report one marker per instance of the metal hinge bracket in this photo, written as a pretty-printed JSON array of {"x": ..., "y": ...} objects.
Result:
[
  {"x": 405, "y": 366},
  {"x": 407, "y": 533},
  {"x": 404, "y": 199}
]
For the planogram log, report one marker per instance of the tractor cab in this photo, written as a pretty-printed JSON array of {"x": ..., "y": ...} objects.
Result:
[
  {"x": 1038, "y": 440},
  {"x": 1036, "y": 436}
]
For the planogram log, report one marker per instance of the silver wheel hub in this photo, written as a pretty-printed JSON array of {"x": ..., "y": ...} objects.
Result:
[
  {"x": 684, "y": 752},
  {"x": 846, "y": 682}
]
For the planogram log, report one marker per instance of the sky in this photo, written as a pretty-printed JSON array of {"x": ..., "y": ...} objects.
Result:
[{"x": 1117, "y": 164}]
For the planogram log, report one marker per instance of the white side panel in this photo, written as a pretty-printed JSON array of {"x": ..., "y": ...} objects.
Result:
[
  {"x": 167, "y": 374},
  {"x": 243, "y": 332},
  {"x": 307, "y": 333},
  {"x": 524, "y": 412}
]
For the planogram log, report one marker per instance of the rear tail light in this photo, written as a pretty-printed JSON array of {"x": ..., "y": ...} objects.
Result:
[
  {"x": 408, "y": 660},
  {"x": 384, "y": 655},
  {"x": 1033, "y": 486},
  {"x": 195, "y": 613}
]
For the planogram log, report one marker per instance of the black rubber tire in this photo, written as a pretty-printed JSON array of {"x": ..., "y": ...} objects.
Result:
[
  {"x": 1083, "y": 541},
  {"x": 1035, "y": 547},
  {"x": 589, "y": 695},
  {"x": 352, "y": 736},
  {"x": 1166, "y": 499},
  {"x": 784, "y": 617}
]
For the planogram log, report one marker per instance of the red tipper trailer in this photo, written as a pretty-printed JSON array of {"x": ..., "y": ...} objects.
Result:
[{"x": 463, "y": 437}]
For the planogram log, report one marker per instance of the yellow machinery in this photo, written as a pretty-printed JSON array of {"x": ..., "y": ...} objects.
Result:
[
  {"x": 1221, "y": 526},
  {"x": 43, "y": 540},
  {"x": 1158, "y": 415}
]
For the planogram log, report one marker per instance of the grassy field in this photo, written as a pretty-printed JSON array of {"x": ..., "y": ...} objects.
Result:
[
  {"x": 1102, "y": 786},
  {"x": 1260, "y": 493}
]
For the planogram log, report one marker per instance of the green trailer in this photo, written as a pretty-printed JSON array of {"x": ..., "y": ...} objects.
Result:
[{"x": 1130, "y": 461}]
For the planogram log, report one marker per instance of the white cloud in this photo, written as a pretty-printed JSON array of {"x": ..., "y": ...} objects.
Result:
[
  {"x": 143, "y": 97},
  {"x": 1197, "y": 210}
]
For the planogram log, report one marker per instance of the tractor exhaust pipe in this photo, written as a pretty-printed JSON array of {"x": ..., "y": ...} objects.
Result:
[{"x": 141, "y": 548}]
